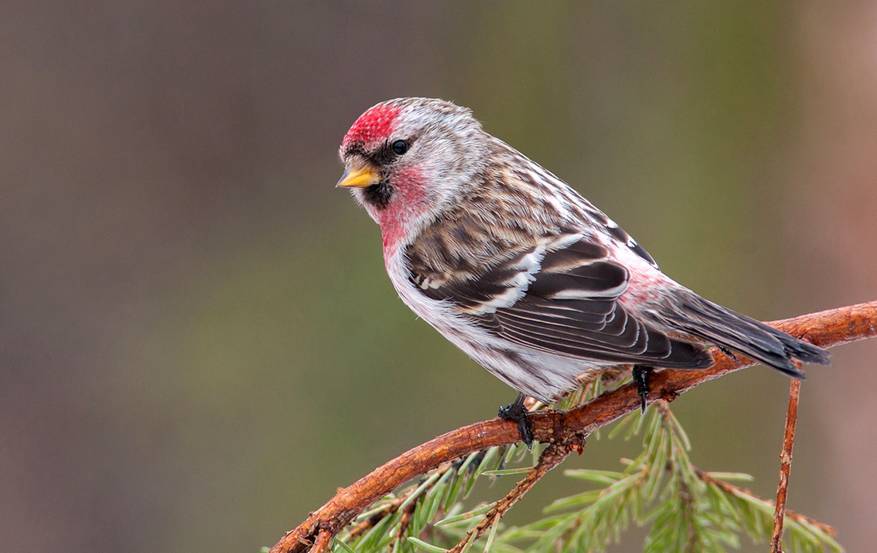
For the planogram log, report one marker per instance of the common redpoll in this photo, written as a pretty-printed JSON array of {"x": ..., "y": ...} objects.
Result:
[{"x": 518, "y": 270}]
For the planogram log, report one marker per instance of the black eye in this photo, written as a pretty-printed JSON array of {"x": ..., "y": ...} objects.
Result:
[{"x": 399, "y": 147}]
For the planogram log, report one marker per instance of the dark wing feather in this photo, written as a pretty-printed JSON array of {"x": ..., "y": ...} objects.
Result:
[
  {"x": 561, "y": 297},
  {"x": 700, "y": 317}
]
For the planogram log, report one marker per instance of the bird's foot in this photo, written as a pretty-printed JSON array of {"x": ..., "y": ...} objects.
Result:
[
  {"x": 515, "y": 411},
  {"x": 641, "y": 376}
]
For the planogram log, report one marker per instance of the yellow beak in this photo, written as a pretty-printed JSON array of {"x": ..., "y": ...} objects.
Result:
[{"x": 359, "y": 178}]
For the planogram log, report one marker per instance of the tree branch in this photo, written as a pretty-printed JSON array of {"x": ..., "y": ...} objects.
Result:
[
  {"x": 321, "y": 544},
  {"x": 827, "y": 328},
  {"x": 776, "y": 540}
]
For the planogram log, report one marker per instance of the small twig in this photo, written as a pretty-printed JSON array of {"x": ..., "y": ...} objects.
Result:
[
  {"x": 553, "y": 455},
  {"x": 321, "y": 544},
  {"x": 688, "y": 511},
  {"x": 404, "y": 522},
  {"x": 776, "y": 540},
  {"x": 746, "y": 493},
  {"x": 685, "y": 496},
  {"x": 364, "y": 525}
]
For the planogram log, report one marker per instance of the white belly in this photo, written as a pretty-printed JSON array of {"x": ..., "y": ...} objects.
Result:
[{"x": 535, "y": 373}]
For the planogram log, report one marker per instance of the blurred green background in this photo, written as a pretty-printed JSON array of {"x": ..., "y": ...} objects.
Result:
[{"x": 198, "y": 343}]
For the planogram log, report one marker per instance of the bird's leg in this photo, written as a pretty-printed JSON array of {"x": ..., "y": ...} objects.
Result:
[
  {"x": 641, "y": 376},
  {"x": 515, "y": 411}
]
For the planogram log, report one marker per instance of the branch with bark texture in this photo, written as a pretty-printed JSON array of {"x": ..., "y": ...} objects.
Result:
[
  {"x": 776, "y": 540},
  {"x": 826, "y": 329}
]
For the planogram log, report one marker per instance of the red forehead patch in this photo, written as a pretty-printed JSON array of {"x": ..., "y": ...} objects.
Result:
[{"x": 374, "y": 124}]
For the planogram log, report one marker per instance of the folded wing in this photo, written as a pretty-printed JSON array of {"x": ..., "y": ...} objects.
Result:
[{"x": 560, "y": 295}]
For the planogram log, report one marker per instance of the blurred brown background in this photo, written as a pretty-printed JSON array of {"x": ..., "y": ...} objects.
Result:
[{"x": 198, "y": 343}]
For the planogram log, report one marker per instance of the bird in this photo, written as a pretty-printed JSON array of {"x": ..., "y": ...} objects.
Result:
[{"x": 521, "y": 272}]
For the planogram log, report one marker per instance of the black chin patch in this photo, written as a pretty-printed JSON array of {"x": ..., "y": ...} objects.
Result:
[{"x": 379, "y": 194}]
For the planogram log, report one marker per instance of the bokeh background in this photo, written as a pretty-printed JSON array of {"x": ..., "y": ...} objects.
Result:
[{"x": 198, "y": 343}]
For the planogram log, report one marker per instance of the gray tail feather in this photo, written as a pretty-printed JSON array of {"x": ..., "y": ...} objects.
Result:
[{"x": 734, "y": 331}]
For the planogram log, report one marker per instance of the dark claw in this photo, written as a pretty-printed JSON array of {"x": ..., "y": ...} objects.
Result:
[
  {"x": 641, "y": 376},
  {"x": 515, "y": 411}
]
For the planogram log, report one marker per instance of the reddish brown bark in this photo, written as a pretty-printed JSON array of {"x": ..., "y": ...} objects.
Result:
[
  {"x": 827, "y": 328},
  {"x": 776, "y": 540}
]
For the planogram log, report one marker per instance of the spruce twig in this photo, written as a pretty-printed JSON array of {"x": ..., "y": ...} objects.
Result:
[
  {"x": 321, "y": 543},
  {"x": 553, "y": 455},
  {"x": 366, "y": 524},
  {"x": 776, "y": 540},
  {"x": 742, "y": 492}
]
